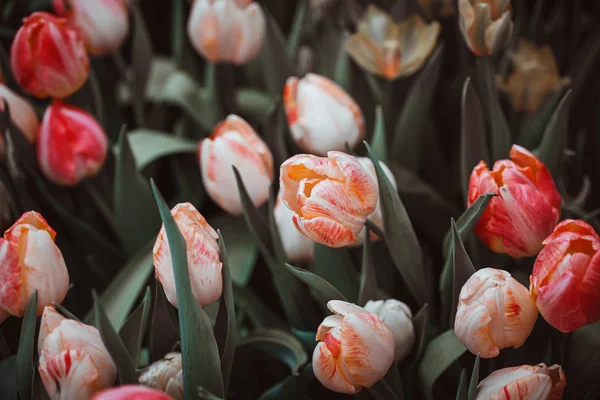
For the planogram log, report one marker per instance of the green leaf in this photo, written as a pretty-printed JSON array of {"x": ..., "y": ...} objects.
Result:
[
  {"x": 276, "y": 63},
  {"x": 254, "y": 104},
  {"x": 275, "y": 130},
  {"x": 141, "y": 58},
  {"x": 292, "y": 387},
  {"x": 584, "y": 359},
  {"x": 463, "y": 384},
  {"x": 552, "y": 147},
  {"x": 64, "y": 312},
  {"x": 149, "y": 145},
  {"x": 297, "y": 28},
  {"x": 25, "y": 357},
  {"x": 368, "y": 278},
  {"x": 441, "y": 352},
  {"x": 199, "y": 352},
  {"x": 133, "y": 330},
  {"x": 378, "y": 140},
  {"x": 420, "y": 324},
  {"x": 164, "y": 327},
  {"x": 472, "y": 394},
  {"x": 401, "y": 238},
  {"x": 534, "y": 125},
  {"x": 336, "y": 267},
  {"x": 114, "y": 344},
  {"x": 8, "y": 381},
  {"x": 462, "y": 268},
  {"x": 274, "y": 343},
  {"x": 408, "y": 131},
  {"x": 342, "y": 74},
  {"x": 324, "y": 290},
  {"x": 307, "y": 338},
  {"x": 136, "y": 218}
]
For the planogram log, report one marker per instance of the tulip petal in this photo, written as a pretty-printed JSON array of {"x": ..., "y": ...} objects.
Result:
[
  {"x": 253, "y": 32},
  {"x": 12, "y": 296},
  {"x": 325, "y": 231},
  {"x": 559, "y": 303},
  {"x": 472, "y": 328},
  {"x": 572, "y": 226},
  {"x": 70, "y": 375},
  {"x": 327, "y": 372},
  {"x": 343, "y": 308},
  {"x": 498, "y": 33},
  {"x": 51, "y": 319}
]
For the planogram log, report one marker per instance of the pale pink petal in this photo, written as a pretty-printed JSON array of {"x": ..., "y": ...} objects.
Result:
[{"x": 328, "y": 373}]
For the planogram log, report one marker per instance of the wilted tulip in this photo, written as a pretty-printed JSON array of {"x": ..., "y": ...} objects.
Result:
[
  {"x": 398, "y": 317},
  {"x": 48, "y": 57},
  {"x": 531, "y": 382},
  {"x": 73, "y": 361},
  {"x": 165, "y": 375},
  {"x": 527, "y": 208},
  {"x": 71, "y": 144},
  {"x": 534, "y": 78},
  {"x": 321, "y": 115},
  {"x": 486, "y": 25},
  {"x": 30, "y": 261},
  {"x": 392, "y": 50},
  {"x": 202, "y": 254},
  {"x": 231, "y": 31},
  {"x": 131, "y": 392},
  {"x": 437, "y": 9},
  {"x": 494, "y": 312},
  {"x": 331, "y": 196},
  {"x": 297, "y": 246},
  {"x": 103, "y": 24},
  {"x": 355, "y": 350},
  {"x": 21, "y": 113},
  {"x": 566, "y": 275},
  {"x": 233, "y": 142}
]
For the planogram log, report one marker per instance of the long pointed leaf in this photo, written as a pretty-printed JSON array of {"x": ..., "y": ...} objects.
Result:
[
  {"x": 324, "y": 290},
  {"x": 335, "y": 266},
  {"x": 474, "y": 380},
  {"x": 462, "y": 268},
  {"x": 552, "y": 148},
  {"x": 368, "y": 278},
  {"x": 462, "y": 393},
  {"x": 133, "y": 331},
  {"x": 24, "y": 361},
  {"x": 379, "y": 138}
]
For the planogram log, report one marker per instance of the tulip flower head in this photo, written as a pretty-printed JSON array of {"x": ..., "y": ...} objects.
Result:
[
  {"x": 103, "y": 24},
  {"x": 48, "y": 57},
  {"x": 566, "y": 274},
  {"x": 494, "y": 312},
  {"x": 297, "y": 246},
  {"x": 398, "y": 317},
  {"x": 486, "y": 25},
  {"x": 355, "y": 350},
  {"x": 202, "y": 254},
  {"x": 331, "y": 196},
  {"x": 234, "y": 143},
  {"x": 527, "y": 208},
  {"x": 531, "y": 382},
  {"x": 131, "y": 392},
  {"x": 73, "y": 361},
  {"x": 321, "y": 115},
  {"x": 30, "y": 261},
  {"x": 165, "y": 375},
  {"x": 231, "y": 31},
  {"x": 22, "y": 113},
  {"x": 392, "y": 50}
]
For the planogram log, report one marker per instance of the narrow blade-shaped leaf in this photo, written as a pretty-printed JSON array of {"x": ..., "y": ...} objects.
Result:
[
  {"x": 474, "y": 379},
  {"x": 141, "y": 57},
  {"x": 552, "y": 147},
  {"x": 463, "y": 386},
  {"x": 133, "y": 331},
  {"x": 25, "y": 361},
  {"x": 292, "y": 387},
  {"x": 324, "y": 290},
  {"x": 420, "y": 323},
  {"x": 368, "y": 278},
  {"x": 379, "y": 138},
  {"x": 8, "y": 381},
  {"x": 149, "y": 145},
  {"x": 277, "y": 66},
  {"x": 335, "y": 266},
  {"x": 297, "y": 29},
  {"x": 164, "y": 327},
  {"x": 462, "y": 268}
]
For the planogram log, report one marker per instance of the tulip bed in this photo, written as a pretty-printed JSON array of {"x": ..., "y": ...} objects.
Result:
[{"x": 308, "y": 199}]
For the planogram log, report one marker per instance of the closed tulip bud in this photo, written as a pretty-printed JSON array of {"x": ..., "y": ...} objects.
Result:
[
  {"x": 71, "y": 144},
  {"x": 131, "y": 392},
  {"x": 398, "y": 317},
  {"x": 103, "y": 24},
  {"x": 494, "y": 312},
  {"x": 527, "y": 382},
  {"x": 165, "y": 375},
  {"x": 566, "y": 275},
  {"x": 297, "y": 246},
  {"x": 355, "y": 350},
  {"x": 73, "y": 361},
  {"x": 48, "y": 57},
  {"x": 204, "y": 264},
  {"x": 486, "y": 25},
  {"x": 233, "y": 142},
  {"x": 30, "y": 261},
  {"x": 231, "y": 31},
  {"x": 21, "y": 113},
  {"x": 389, "y": 49},
  {"x": 527, "y": 208},
  {"x": 321, "y": 115},
  {"x": 331, "y": 196}
]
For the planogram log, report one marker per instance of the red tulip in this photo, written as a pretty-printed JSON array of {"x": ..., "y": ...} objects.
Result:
[{"x": 131, "y": 392}]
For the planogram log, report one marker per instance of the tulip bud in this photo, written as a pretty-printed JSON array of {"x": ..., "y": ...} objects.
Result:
[
  {"x": 566, "y": 275},
  {"x": 297, "y": 246},
  {"x": 21, "y": 113},
  {"x": 398, "y": 317},
  {"x": 389, "y": 49},
  {"x": 233, "y": 142},
  {"x": 202, "y": 253},
  {"x": 231, "y": 31},
  {"x": 331, "y": 196},
  {"x": 531, "y": 382},
  {"x": 494, "y": 312},
  {"x": 71, "y": 145},
  {"x": 486, "y": 25},
  {"x": 356, "y": 349},
  {"x": 131, "y": 392},
  {"x": 103, "y": 24},
  {"x": 73, "y": 361},
  {"x": 321, "y": 115},
  {"x": 165, "y": 375},
  {"x": 48, "y": 57},
  {"x": 30, "y": 261},
  {"x": 527, "y": 208}
]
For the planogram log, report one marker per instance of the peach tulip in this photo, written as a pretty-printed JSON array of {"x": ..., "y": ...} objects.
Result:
[
  {"x": 202, "y": 254},
  {"x": 527, "y": 208},
  {"x": 234, "y": 143},
  {"x": 73, "y": 361},
  {"x": 321, "y": 115},
  {"x": 30, "y": 261},
  {"x": 297, "y": 246},
  {"x": 486, "y": 25},
  {"x": 355, "y": 350},
  {"x": 165, "y": 375},
  {"x": 566, "y": 275},
  {"x": 21, "y": 113},
  {"x": 331, "y": 197},
  {"x": 131, "y": 392},
  {"x": 494, "y": 312},
  {"x": 398, "y": 317}
]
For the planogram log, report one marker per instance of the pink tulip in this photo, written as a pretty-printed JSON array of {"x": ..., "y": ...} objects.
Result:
[
  {"x": 131, "y": 392},
  {"x": 398, "y": 317},
  {"x": 297, "y": 246}
]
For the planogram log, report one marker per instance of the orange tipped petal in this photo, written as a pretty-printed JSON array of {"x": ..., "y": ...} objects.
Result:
[{"x": 328, "y": 373}]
